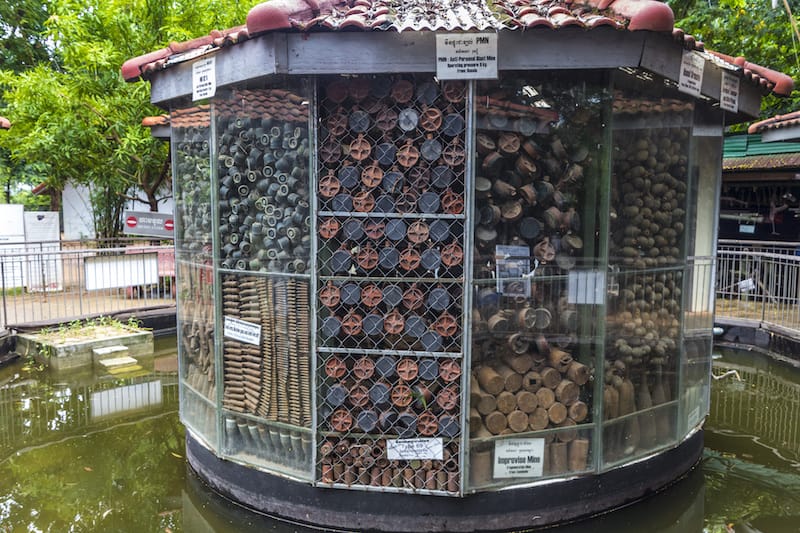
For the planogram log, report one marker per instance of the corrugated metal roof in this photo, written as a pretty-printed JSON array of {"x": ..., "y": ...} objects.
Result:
[{"x": 752, "y": 145}]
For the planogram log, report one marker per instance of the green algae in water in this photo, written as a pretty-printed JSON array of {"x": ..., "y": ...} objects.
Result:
[{"x": 120, "y": 478}]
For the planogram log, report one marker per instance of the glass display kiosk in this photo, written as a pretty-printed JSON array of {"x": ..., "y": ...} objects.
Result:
[{"x": 413, "y": 303}]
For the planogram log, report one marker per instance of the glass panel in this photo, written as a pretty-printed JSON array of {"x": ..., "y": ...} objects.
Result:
[
  {"x": 695, "y": 397},
  {"x": 699, "y": 317},
  {"x": 190, "y": 138},
  {"x": 195, "y": 296},
  {"x": 647, "y": 252},
  {"x": 263, "y": 159},
  {"x": 200, "y": 416},
  {"x": 538, "y": 284},
  {"x": 266, "y": 370},
  {"x": 390, "y": 261}
]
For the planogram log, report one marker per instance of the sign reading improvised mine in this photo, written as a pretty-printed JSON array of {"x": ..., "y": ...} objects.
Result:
[
  {"x": 148, "y": 223},
  {"x": 518, "y": 458},
  {"x": 466, "y": 56}
]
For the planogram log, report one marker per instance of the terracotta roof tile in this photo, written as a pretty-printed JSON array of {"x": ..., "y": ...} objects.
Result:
[
  {"x": 159, "y": 120},
  {"x": 4, "y": 123},
  {"x": 775, "y": 123},
  {"x": 444, "y": 15}
]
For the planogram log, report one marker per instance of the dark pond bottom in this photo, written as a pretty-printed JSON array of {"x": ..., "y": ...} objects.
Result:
[{"x": 107, "y": 453}]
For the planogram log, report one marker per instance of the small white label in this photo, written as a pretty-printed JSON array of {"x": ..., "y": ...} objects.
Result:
[
  {"x": 410, "y": 449},
  {"x": 466, "y": 56},
  {"x": 242, "y": 331},
  {"x": 204, "y": 79},
  {"x": 747, "y": 285},
  {"x": 691, "y": 77},
  {"x": 518, "y": 458},
  {"x": 729, "y": 92},
  {"x": 586, "y": 287}
]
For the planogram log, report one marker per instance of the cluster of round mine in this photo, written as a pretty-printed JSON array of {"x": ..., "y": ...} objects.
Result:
[
  {"x": 193, "y": 179},
  {"x": 263, "y": 189}
]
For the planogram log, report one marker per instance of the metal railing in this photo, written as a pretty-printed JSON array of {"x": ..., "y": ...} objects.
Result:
[
  {"x": 758, "y": 283},
  {"x": 59, "y": 281}
]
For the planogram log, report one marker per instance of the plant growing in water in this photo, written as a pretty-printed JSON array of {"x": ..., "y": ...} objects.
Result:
[{"x": 91, "y": 327}]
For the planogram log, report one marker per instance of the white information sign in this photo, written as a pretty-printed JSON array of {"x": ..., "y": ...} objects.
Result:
[
  {"x": 204, "y": 79},
  {"x": 690, "y": 79},
  {"x": 729, "y": 92},
  {"x": 512, "y": 270},
  {"x": 518, "y": 458},
  {"x": 466, "y": 56},
  {"x": 410, "y": 449},
  {"x": 586, "y": 287},
  {"x": 42, "y": 232},
  {"x": 242, "y": 331}
]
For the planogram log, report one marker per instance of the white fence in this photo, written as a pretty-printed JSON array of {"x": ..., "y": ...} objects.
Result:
[{"x": 61, "y": 281}]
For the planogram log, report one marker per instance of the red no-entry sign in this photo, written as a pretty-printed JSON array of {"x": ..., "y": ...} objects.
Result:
[{"x": 149, "y": 223}]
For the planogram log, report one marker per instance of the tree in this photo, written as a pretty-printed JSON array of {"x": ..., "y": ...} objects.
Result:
[
  {"x": 22, "y": 26},
  {"x": 753, "y": 29},
  {"x": 81, "y": 120},
  {"x": 22, "y": 32}
]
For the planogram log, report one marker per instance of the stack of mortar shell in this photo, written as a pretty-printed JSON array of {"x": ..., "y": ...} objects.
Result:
[
  {"x": 649, "y": 194},
  {"x": 263, "y": 186},
  {"x": 282, "y": 342},
  {"x": 193, "y": 179},
  {"x": 233, "y": 397},
  {"x": 302, "y": 338},
  {"x": 198, "y": 346},
  {"x": 354, "y": 461}
]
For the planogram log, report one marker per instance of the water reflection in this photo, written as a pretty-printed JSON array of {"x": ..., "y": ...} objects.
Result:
[{"x": 86, "y": 452}]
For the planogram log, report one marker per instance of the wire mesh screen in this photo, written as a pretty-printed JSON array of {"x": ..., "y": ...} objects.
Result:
[{"x": 390, "y": 194}]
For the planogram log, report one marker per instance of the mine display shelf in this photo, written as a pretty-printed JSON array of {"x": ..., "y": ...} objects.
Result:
[
  {"x": 428, "y": 286},
  {"x": 390, "y": 259}
]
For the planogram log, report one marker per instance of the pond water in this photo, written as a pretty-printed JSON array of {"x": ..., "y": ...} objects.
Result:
[{"x": 84, "y": 452}]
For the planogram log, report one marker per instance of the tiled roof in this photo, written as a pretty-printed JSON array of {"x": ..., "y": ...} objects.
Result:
[
  {"x": 158, "y": 120},
  {"x": 445, "y": 15},
  {"x": 761, "y": 162},
  {"x": 4, "y": 123},
  {"x": 777, "y": 122}
]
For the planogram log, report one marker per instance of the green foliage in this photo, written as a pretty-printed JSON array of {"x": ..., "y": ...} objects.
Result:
[
  {"x": 81, "y": 122},
  {"x": 22, "y": 32},
  {"x": 751, "y": 29}
]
